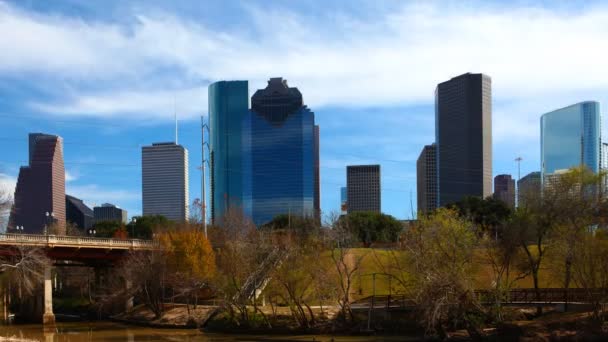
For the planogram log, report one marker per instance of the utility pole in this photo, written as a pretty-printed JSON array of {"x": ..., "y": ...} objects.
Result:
[
  {"x": 202, "y": 168},
  {"x": 518, "y": 160}
]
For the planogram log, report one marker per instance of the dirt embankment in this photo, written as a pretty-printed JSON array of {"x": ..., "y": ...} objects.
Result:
[{"x": 175, "y": 316}]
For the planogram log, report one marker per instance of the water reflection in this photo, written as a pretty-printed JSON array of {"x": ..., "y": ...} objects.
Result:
[{"x": 108, "y": 331}]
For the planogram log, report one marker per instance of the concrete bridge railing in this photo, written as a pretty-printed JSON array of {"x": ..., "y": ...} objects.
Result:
[{"x": 75, "y": 241}]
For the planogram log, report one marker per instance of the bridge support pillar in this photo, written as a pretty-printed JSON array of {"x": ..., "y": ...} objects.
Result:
[
  {"x": 129, "y": 301},
  {"x": 48, "y": 318}
]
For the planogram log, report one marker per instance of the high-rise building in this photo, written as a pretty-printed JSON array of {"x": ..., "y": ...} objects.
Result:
[
  {"x": 317, "y": 174},
  {"x": 228, "y": 110},
  {"x": 280, "y": 149},
  {"x": 463, "y": 136},
  {"x": 343, "y": 200},
  {"x": 528, "y": 187},
  {"x": 504, "y": 189},
  {"x": 78, "y": 213},
  {"x": 363, "y": 188},
  {"x": 570, "y": 137},
  {"x": 426, "y": 179},
  {"x": 165, "y": 181},
  {"x": 40, "y": 190},
  {"x": 109, "y": 212}
]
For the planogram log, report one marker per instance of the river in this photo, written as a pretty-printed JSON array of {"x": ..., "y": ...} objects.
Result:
[{"x": 109, "y": 331}]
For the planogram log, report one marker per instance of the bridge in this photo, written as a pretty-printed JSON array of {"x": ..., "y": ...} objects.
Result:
[{"x": 91, "y": 251}]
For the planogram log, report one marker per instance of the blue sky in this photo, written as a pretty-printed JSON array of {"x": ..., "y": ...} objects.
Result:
[{"x": 105, "y": 76}]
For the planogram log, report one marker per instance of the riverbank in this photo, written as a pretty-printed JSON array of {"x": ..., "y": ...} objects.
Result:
[{"x": 176, "y": 316}]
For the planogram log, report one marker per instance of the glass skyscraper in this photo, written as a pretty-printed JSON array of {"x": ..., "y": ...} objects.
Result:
[
  {"x": 228, "y": 109},
  {"x": 570, "y": 137},
  {"x": 264, "y": 161},
  {"x": 280, "y": 154}
]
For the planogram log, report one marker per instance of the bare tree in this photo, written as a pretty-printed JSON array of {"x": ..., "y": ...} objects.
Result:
[
  {"x": 345, "y": 262},
  {"x": 25, "y": 267}
]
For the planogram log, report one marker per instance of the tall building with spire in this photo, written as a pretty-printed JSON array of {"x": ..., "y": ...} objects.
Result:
[
  {"x": 165, "y": 181},
  {"x": 40, "y": 190}
]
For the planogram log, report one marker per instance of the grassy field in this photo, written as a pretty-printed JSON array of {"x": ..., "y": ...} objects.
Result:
[{"x": 373, "y": 258}]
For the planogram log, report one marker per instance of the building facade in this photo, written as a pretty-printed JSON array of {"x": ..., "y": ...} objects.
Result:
[
  {"x": 165, "y": 181},
  {"x": 570, "y": 137},
  {"x": 109, "y": 212},
  {"x": 426, "y": 179},
  {"x": 528, "y": 187},
  {"x": 78, "y": 213},
  {"x": 39, "y": 199},
  {"x": 363, "y": 188},
  {"x": 343, "y": 200},
  {"x": 463, "y": 136},
  {"x": 280, "y": 145},
  {"x": 228, "y": 110},
  {"x": 504, "y": 189}
]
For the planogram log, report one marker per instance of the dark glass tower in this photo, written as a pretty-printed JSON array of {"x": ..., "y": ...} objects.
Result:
[
  {"x": 281, "y": 155},
  {"x": 463, "y": 135},
  {"x": 363, "y": 188},
  {"x": 426, "y": 179},
  {"x": 228, "y": 109},
  {"x": 504, "y": 189}
]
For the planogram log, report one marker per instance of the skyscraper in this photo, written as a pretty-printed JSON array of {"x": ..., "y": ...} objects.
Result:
[
  {"x": 78, "y": 213},
  {"x": 426, "y": 179},
  {"x": 281, "y": 160},
  {"x": 343, "y": 200},
  {"x": 228, "y": 110},
  {"x": 40, "y": 190},
  {"x": 528, "y": 187},
  {"x": 570, "y": 137},
  {"x": 504, "y": 189},
  {"x": 463, "y": 136},
  {"x": 110, "y": 212},
  {"x": 165, "y": 181},
  {"x": 363, "y": 188}
]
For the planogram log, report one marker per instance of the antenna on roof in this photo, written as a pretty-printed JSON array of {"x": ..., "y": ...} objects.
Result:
[{"x": 175, "y": 116}]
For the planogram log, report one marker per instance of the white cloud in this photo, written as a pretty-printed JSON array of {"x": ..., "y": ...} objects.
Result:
[
  {"x": 93, "y": 194},
  {"x": 394, "y": 59},
  {"x": 7, "y": 185},
  {"x": 71, "y": 176}
]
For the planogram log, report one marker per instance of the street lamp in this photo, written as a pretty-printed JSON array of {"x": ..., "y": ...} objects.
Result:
[
  {"x": 19, "y": 228},
  {"x": 133, "y": 222},
  {"x": 92, "y": 232},
  {"x": 50, "y": 217}
]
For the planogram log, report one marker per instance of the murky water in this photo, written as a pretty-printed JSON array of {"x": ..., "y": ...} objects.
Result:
[{"x": 109, "y": 331}]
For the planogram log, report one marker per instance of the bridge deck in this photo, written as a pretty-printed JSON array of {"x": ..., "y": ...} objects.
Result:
[{"x": 52, "y": 241}]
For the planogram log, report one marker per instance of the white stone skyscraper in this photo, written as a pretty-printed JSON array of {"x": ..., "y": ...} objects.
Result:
[{"x": 165, "y": 181}]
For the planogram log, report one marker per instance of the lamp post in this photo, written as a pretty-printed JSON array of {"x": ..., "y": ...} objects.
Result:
[
  {"x": 19, "y": 229},
  {"x": 92, "y": 232},
  {"x": 202, "y": 168},
  {"x": 50, "y": 217},
  {"x": 133, "y": 222}
]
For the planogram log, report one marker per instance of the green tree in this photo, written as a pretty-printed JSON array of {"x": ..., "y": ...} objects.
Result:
[
  {"x": 372, "y": 227},
  {"x": 143, "y": 227},
  {"x": 441, "y": 249},
  {"x": 488, "y": 214},
  {"x": 107, "y": 229}
]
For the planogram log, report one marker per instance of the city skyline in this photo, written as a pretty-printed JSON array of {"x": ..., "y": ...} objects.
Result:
[{"x": 362, "y": 121}]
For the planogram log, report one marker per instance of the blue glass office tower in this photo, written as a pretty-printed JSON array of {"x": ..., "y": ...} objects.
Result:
[
  {"x": 570, "y": 137},
  {"x": 280, "y": 149},
  {"x": 228, "y": 110}
]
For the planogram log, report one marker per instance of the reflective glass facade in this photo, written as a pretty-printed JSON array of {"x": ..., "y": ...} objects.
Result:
[
  {"x": 279, "y": 154},
  {"x": 228, "y": 109},
  {"x": 571, "y": 137}
]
